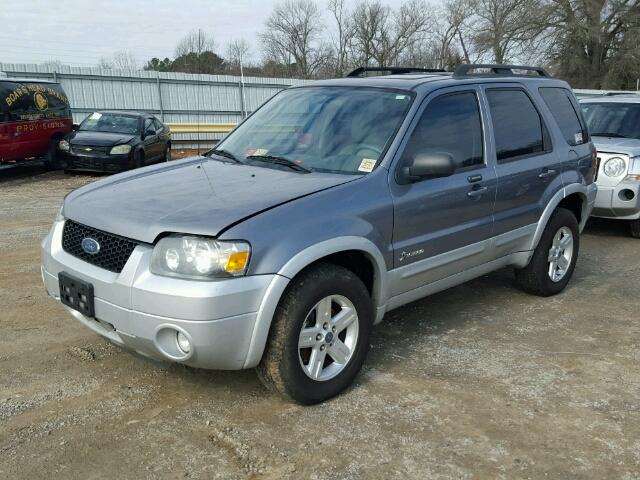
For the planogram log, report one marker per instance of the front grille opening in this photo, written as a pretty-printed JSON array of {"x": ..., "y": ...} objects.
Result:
[{"x": 114, "y": 250}]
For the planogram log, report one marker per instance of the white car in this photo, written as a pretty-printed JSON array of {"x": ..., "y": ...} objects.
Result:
[{"x": 614, "y": 124}]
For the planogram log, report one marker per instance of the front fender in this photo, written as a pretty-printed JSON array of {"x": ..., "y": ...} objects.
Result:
[{"x": 294, "y": 266}]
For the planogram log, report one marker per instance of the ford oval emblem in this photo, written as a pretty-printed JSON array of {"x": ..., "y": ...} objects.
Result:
[{"x": 90, "y": 246}]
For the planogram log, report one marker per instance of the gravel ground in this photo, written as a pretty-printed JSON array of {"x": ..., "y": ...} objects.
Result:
[{"x": 480, "y": 381}]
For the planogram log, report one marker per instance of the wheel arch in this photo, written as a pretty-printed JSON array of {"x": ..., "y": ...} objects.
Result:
[
  {"x": 574, "y": 198},
  {"x": 349, "y": 252}
]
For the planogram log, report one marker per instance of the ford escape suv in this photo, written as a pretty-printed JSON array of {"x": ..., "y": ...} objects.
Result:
[
  {"x": 614, "y": 124},
  {"x": 331, "y": 205}
]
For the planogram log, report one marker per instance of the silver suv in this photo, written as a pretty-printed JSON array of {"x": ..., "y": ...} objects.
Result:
[
  {"x": 614, "y": 123},
  {"x": 331, "y": 205}
]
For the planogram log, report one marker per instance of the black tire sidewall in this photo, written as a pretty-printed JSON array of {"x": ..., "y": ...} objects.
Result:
[
  {"x": 297, "y": 384},
  {"x": 540, "y": 261}
]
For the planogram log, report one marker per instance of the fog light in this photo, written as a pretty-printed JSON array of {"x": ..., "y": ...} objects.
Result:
[{"x": 183, "y": 342}]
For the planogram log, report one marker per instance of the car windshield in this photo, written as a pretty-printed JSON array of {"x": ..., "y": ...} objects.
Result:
[
  {"x": 328, "y": 129},
  {"x": 110, "y": 123},
  {"x": 606, "y": 119}
]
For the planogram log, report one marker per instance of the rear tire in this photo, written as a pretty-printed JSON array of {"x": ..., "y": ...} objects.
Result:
[
  {"x": 325, "y": 312},
  {"x": 167, "y": 153},
  {"x": 555, "y": 256},
  {"x": 634, "y": 226}
]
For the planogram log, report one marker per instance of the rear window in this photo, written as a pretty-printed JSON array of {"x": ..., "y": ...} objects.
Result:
[
  {"x": 33, "y": 101},
  {"x": 517, "y": 125},
  {"x": 564, "y": 112}
]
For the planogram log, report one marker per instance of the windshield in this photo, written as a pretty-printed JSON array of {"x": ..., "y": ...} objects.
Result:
[
  {"x": 110, "y": 123},
  {"x": 613, "y": 119},
  {"x": 330, "y": 129}
]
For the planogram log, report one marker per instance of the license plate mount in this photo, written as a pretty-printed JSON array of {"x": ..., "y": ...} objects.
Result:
[{"x": 76, "y": 293}]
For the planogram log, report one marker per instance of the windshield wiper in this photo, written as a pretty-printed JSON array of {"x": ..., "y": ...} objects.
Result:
[
  {"x": 223, "y": 153},
  {"x": 279, "y": 161},
  {"x": 609, "y": 134}
]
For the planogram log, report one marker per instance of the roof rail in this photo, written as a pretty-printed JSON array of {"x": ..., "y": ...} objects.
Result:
[
  {"x": 495, "y": 69},
  {"x": 393, "y": 70}
]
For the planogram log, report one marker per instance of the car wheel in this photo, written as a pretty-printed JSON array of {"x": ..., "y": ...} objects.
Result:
[
  {"x": 319, "y": 337},
  {"x": 635, "y": 228},
  {"x": 167, "y": 153},
  {"x": 138, "y": 159},
  {"x": 51, "y": 161},
  {"x": 554, "y": 259}
]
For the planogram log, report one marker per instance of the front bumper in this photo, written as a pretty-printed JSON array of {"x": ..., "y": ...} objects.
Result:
[
  {"x": 143, "y": 312},
  {"x": 620, "y": 202},
  {"x": 109, "y": 163}
]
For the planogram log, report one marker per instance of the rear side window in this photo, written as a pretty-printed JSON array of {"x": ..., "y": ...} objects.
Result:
[
  {"x": 34, "y": 101},
  {"x": 157, "y": 124},
  {"x": 517, "y": 125},
  {"x": 450, "y": 124},
  {"x": 564, "y": 112}
]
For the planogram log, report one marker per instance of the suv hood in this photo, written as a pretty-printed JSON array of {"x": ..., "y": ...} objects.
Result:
[
  {"x": 628, "y": 146},
  {"x": 99, "y": 139},
  {"x": 197, "y": 196}
]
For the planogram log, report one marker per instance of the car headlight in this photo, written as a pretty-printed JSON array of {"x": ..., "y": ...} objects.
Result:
[
  {"x": 120, "y": 150},
  {"x": 199, "y": 258},
  {"x": 614, "y": 167},
  {"x": 63, "y": 145}
]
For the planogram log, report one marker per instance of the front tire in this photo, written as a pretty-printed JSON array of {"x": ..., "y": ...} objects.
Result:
[
  {"x": 554, "y": 259},
  {"x": 319, "y": 337},
  {"x": 634, "y": 226}
]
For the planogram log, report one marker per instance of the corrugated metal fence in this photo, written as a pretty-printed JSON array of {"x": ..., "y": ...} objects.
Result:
[{"x": 176, "y": 98}]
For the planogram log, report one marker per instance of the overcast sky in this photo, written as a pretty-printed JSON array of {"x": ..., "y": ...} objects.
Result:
[{"x": 80, "y": 32}]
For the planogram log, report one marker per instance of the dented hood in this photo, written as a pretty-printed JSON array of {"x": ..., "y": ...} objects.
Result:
[{"x": 197, "y": 196}]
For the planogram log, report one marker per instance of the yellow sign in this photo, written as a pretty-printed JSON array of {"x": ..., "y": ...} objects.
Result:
[{"x": 40, "y": 101}]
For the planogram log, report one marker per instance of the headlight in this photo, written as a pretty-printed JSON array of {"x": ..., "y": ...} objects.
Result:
[
  {"x": 63, "y": 145},
  {"x": 120, "y": 150},
  {"x": 199, "y": 258},
  {"x": 614, "y": 167}
]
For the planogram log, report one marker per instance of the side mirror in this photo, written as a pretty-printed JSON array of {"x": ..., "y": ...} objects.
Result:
[
  {"x": 429, "y": 165},
  {"x": 75, "y": 127}
]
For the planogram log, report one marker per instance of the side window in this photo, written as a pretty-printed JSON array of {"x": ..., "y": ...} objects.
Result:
[
  {"x": 450, "y": 124},
  {"x": 517, "y": 125},
  {"x": 157, "y": 125},
  {"x": 148, "y": 124},
  {"x": 559, "y": 102}
]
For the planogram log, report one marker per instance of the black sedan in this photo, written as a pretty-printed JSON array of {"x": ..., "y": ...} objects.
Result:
[{"x": 112, "y": 141}]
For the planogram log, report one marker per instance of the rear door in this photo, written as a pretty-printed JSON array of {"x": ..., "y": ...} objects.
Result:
[
  {"x": 442, "y": 225},
  {"x": 528, "y": 168},
  {"x": 573, "y": 136}
]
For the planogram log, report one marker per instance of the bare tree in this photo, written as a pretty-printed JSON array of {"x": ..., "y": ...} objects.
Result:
[
  {"x": 196, "y": 42},
  {"x": 237, "y": 52},
  {"x": 592, "y": 37},
  {"x": 344, "y": 34},
  {"x": 508, "y": 28},
  {"x": 293, "y": 35},
  {"x": 121, "y": 60},
  {"x": 381, "y": 35}
]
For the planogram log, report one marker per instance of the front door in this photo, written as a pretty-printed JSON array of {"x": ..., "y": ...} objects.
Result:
[{"x": 443, "y": 226}]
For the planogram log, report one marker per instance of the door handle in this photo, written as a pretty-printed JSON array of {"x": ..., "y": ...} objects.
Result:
[
  {"x": 474, "y": 178},
  {"x": 546, "y": 174},
  {"x": 477, "y": 192}
]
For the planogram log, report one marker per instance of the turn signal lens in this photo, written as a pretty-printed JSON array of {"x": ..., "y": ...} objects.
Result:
[{"x": 237, "y": 262}]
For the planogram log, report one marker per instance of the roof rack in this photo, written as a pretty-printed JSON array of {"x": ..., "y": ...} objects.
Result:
[
  {"x": 393, "y": 70},
  {"x": 496, "y": 69}
]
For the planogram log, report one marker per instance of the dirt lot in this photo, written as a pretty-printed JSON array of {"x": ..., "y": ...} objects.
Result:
[{"x": 481, "y": 381}]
